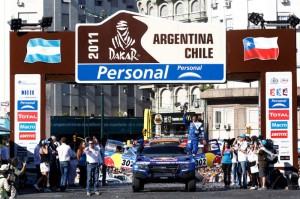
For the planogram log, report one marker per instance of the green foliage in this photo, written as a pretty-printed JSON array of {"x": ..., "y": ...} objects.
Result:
[{"x": 204, "y": 87}]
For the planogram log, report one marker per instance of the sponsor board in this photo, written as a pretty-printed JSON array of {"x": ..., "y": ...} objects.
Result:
[
  {"x": 27, "y": 136},
  {"x": 279, "y": 125},
  {"x": 27, "y": 126},
  {"x": 134, "y": 51},
  {"x": 278, "y": 103},
  {"x": 27, "y": 113},
  {"x": 27, "y": 105},
  {"x": 279, "y": 115},
  {"x": 27, "y": 117},
  {"x": 279, "y": 134}
]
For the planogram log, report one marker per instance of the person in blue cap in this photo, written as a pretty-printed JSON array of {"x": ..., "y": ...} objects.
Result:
[{"x": 195, "y": 129}]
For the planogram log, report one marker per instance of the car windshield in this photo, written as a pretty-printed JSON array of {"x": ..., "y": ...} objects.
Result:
[{"x": 165, "y": 151}]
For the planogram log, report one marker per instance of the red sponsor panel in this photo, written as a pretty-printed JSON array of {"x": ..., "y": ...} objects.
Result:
[
  {"x": 27, "y": 136},
  {"x": 279, "y": 115},
  {"x": 27, "y": 116},
  {"x": 279, "y": 134},
  {"x": 272, "y": 92}
]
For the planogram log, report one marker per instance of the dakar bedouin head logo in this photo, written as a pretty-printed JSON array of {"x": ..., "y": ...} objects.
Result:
[{"x": 122, "y": 43}]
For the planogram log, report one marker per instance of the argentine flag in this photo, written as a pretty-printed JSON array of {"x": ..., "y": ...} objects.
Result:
[{"x": 42, "y": 50}]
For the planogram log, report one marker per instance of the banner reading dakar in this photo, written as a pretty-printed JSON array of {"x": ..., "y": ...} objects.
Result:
[{"x": 132, "y": 48}]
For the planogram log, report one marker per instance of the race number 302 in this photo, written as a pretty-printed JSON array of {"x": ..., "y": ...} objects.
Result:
[
  {"x": 127, "y": 163},
  {"x": 200, "y": 162}
]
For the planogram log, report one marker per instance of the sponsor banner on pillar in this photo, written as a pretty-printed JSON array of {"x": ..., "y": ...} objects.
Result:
[
  {"x": 27, "y": 116},
  {"x": 279, "y": 115}
]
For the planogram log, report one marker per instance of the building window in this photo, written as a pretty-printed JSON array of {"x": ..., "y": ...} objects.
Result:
[
  {"x": 130, "y": 112},
  {"x": 129, "y": 3},
  {"x": 166, "y": 94},
  {"x": 114, "y": 3},
  {"x": 229, "y": 24},
  {"x": 164, "y": 11},
  {"x": 82, "y": 90},
  {"x": 65, "y": 20},
  {"x": 179, "y": 9},
  {"x": 195, "y": 6},
  {"x": 182, "y": 96},
  {"x": 151, "y": 11},
  {"x": 114, "y": 91},
  {"x": 130, "y": 90},
  {"x": 81, "y": 2},
  {"x": 218, "y": 117},
  {"x": 81, "y": 18},
  {"x": 99, "y": 2}
]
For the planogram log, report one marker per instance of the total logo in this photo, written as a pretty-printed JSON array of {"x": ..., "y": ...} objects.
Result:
[
  {"x": 27, "y": 117},
  {"x": 279, "y": 115}
]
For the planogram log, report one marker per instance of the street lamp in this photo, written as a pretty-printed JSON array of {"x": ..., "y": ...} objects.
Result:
[
  {"x": 84, "y": 108},
  {"x": 102, "y": 111}
]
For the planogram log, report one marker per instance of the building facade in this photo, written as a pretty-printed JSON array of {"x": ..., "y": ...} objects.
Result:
[
  {"x": 79, "y": 99},
  {"x": 228, "y": 108}
]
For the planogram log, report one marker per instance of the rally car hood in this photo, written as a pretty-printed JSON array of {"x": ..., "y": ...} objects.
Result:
[{"x": 163, "y": 159}]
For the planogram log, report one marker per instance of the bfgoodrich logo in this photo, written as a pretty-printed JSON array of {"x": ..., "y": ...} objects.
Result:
[{"x": 122, "y": 43}]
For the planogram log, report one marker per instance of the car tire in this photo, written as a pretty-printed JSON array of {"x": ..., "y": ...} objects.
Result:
[
  {"x": 137, "y": 184},
  {"x": 190, "y": 186}
]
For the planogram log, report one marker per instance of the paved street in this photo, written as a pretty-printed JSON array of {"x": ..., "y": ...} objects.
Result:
[{"x": 166, "y": 191}]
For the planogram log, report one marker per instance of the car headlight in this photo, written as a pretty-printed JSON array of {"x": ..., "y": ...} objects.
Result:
[
  {"x": 185, "y": 166},
  {"x": 141, "y": 166}
]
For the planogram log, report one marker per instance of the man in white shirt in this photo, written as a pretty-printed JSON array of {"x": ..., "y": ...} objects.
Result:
[
  {"x": 64, "y": 155},
  {"x": 242, "y": 159},
  {"x": 94, "y": 163}
]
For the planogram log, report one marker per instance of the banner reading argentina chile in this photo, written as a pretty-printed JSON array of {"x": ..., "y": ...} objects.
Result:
[{"x": 144, "y": 49}]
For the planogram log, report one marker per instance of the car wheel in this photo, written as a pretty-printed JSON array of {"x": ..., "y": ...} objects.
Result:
[
  {"x": 137, "y": 184},
  {"x": 191, "y": 186}
]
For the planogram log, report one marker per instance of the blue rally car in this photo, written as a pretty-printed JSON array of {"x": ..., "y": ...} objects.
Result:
[{"x": 161, "y": 163}]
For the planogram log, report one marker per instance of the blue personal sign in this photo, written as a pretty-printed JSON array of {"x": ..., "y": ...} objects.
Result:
[{"x": 144, "y": 49}]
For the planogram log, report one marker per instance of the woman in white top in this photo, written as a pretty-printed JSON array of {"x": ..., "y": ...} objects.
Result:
[{"x": 253, "y": 166}]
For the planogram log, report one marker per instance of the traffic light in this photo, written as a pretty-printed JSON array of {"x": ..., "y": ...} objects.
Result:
[{"x": 74, "y": 138}]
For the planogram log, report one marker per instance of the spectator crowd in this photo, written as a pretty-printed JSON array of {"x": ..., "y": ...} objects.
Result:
[{"x": 56, "y": 164}]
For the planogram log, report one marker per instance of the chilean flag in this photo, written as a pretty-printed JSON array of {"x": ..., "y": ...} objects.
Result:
[{"x": 260, "y": 48}]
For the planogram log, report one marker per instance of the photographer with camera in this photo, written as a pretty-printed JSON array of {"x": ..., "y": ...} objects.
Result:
[
  {"x": 14, "y": 176},
  {"x": 4, "y": 185}
]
